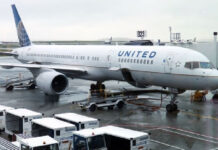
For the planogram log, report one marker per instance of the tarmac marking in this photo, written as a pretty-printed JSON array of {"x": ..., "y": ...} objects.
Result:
[
  {"x": 198, "y": 138},
  {"x": 200, "y": 116},
  {"x": 214, "y": 148},
  {"x": 194, "y": 133},
  {"x": 165, "y": 144}
]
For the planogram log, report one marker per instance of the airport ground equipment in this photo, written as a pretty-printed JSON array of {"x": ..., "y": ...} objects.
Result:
[
  {"x": 199, "y": 96},
  {"x": 57, "y": 129},
  {"x": 7, "y": 145},
  {"x": 89, "y": 139},
  {"x": 80, "y": 121},
  {"x": 2, "y": 116},
  {"x": 18, "y": 121},
  {"x": 111, "y": 138},
  {"x": 96, "y": 102},
  {"x": 18, "y": 82},
  {"x": 39, "y": 143}
]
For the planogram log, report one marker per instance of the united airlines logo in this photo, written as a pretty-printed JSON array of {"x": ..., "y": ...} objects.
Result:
[
  {"x": 22, "y": 35},
  {"x": 137, "y": 54}
]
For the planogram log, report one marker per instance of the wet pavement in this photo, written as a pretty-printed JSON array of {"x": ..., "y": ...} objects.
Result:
[{"x": 193, "y": 127}]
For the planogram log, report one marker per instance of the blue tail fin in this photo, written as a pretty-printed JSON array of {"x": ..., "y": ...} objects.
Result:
[{"x": 21, "y": 32}]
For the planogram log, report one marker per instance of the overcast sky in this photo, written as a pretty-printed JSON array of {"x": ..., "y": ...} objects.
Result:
[{"x": 97, "y": 19}]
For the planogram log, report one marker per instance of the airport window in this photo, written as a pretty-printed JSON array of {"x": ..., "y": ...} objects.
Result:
[{"x": 58, "y": 133}]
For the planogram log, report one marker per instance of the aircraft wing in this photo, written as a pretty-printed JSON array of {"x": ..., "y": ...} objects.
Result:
[
  {"x": 7, "y": 54},
  {"x": 66, "y": 69}
]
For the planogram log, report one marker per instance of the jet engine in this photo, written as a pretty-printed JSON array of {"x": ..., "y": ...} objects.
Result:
[{"x": 52, "y": 82}]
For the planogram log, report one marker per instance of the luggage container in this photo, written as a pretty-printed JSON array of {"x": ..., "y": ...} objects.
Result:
[
  {"x": 2, "y": 116},
  {"x": 120, "y": 138},
  {"x": 80, "y": 121},
  {"x": 111, "y": 138},
  {"x": 57, "y": 129},
  {"x": 18, "y": 121}
]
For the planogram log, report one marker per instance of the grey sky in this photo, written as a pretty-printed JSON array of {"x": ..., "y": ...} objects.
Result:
[{"x": 97, "y": 19}]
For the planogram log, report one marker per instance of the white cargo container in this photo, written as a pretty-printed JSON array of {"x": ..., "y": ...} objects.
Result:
[
  {"x": 57, "y": 129},
  {"x": 116, "y": 138},
  {"x": 2, "y": 116},
  {"x": 39, "y": 143},
  {"x": 18, "y": 121},
  {"x": 80, "y": 121}
]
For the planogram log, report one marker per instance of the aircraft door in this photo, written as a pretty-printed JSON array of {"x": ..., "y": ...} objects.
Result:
[
  {"x": 113, "y": 60},
  {"x": 168, "y": 64}
]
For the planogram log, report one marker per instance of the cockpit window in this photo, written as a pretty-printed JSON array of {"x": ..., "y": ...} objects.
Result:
[
  {"x": 206, "y": 65},
  {"x": 188, "y": 65},
  {"x": 195, "y": 65}
]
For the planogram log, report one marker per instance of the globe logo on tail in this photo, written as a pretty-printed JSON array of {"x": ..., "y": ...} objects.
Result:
[{"x": 22, "y": 35}]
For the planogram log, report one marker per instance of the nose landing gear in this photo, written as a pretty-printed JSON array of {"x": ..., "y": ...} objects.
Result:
[{"x": 172, "y": 107}]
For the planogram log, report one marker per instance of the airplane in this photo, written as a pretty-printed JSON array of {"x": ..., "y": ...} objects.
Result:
[{"x": 177, "y": 68}]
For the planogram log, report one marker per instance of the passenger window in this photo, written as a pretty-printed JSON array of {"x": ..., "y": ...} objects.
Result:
[
  {"x": 147, "y": 61},
  {"x": 141, "y": 61}
]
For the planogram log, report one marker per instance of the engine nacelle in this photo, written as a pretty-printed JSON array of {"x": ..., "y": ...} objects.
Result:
[{"x": 52, "y": 82}]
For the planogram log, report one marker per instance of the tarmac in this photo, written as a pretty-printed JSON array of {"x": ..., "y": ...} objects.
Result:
[{"x": 193, "y": 127}]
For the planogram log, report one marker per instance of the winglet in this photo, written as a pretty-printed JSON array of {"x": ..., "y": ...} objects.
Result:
[{"x": 21, "y": 31}]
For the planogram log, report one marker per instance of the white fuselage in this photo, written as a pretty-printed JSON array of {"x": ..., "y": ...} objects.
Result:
[{"x": 148, "y": 65}]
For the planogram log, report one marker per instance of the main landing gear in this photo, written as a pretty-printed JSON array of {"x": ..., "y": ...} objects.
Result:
[
  {"x": 97, "y": 88},
  {"x": 172, "y": 106}
]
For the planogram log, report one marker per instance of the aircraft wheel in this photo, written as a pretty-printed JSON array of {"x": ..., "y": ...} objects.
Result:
[
  {"x": 175, "y": 107},
  {"x": 93, "y": 87},
  {"x": 171, "y": 107},
  {"x": 32, "y": 86},
  {"x": 93, "y": 107},
  {"x": 120, "y": 104},
  {"x": 10, "y": 88}
]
